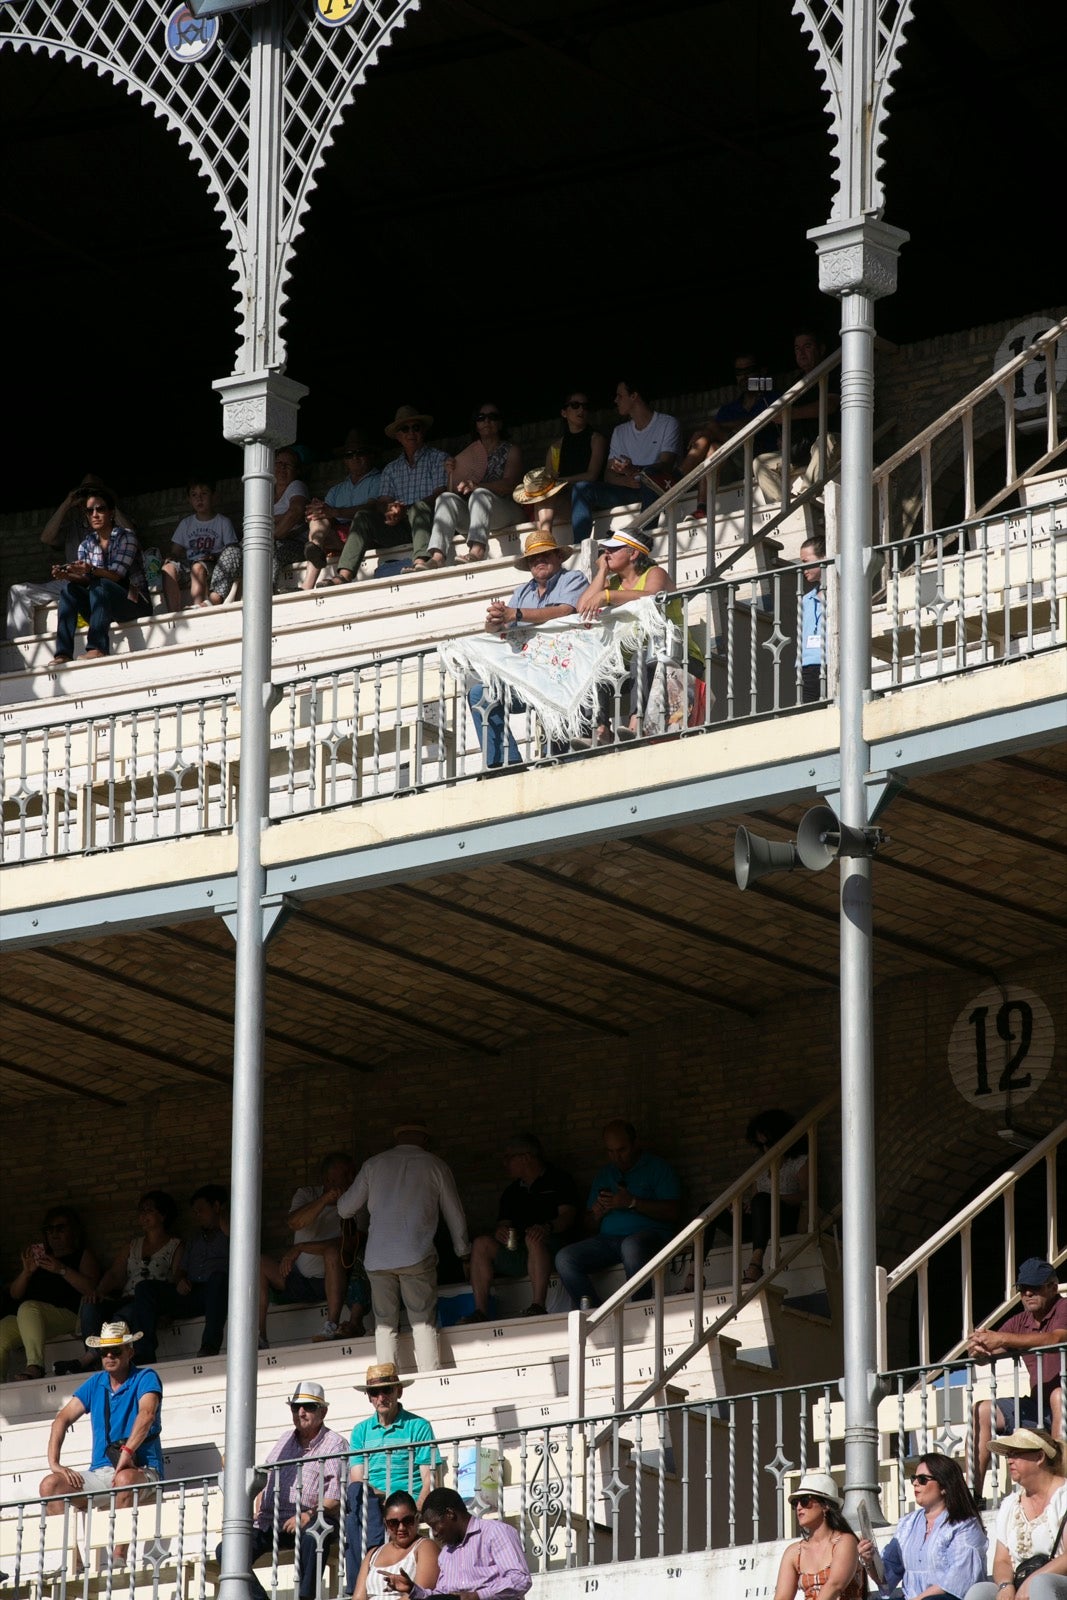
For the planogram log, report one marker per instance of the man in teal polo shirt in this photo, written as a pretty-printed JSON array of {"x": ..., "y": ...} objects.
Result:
[
  {"x": 391, "y": 1449},
  {"x": 632, "y": 1212}
]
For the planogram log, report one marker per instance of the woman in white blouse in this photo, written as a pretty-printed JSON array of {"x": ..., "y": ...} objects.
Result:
[{"x": 1030, "y": 1522}]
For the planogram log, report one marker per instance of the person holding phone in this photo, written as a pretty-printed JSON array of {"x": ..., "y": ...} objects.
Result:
[
  {"x": 56, "y": 1271},
  {"x": 106, "y": 583}
]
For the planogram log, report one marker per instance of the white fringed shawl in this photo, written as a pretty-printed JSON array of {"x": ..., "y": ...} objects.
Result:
[{"x": 557, "y": 667}]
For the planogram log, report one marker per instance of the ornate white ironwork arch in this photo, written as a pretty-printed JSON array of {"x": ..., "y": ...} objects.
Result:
[
  {"x": 857, "y": 50},
  {"x": 235, "y": 123}
]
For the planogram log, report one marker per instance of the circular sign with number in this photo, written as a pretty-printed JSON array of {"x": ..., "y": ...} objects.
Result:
[
  {"x": 1030, "y": 383},
  {"x": 1000, "y": 1049},
  {"x": 190, "y": 38},
  {"x": 334, "y": 12}
]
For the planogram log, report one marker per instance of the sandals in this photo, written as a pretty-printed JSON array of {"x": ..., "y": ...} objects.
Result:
[
  {"x": 476, "y": 552},
  {"x": 428, "y": 563},
  {"x": 752, "y": 1273}
]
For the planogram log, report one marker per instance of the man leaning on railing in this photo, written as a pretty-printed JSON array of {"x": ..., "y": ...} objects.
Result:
[{"x": 1042, "y": 1321}]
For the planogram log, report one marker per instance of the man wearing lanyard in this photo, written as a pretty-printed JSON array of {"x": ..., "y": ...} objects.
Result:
[{"x": 813, "y": 622}]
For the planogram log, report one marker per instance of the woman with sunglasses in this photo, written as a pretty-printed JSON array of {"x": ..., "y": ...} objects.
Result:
[
  {"x": 48, "y": 1290},
  {"x": 1030, "y": 1522},
  {"x": 824, "y": 1564},
  {"x": 404, "y": 1552},
  {"x": 578, "y": 456},
  {"x": 478, "y": 498},
  {"x": 940, "y": 1547},
  {"x": 156, "y": 1252}
]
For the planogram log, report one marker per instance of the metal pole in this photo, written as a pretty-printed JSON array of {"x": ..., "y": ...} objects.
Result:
[
  {"x": 247, "y": 1129},
  {"x": 857, "y": 1056},
  {"x": 857, "y": 262}
]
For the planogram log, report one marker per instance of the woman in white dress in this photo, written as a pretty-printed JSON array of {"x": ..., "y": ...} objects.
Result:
[
  {"x": 405, "y": 1552},
  {"x": 1030, "y": 1522}
]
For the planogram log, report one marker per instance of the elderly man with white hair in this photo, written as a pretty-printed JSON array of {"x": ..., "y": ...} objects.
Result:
[
  {"x": 306, "y": 1489},
  {"x": 405, "y": 1190}
]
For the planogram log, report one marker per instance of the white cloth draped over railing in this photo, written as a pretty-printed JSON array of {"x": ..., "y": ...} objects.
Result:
[{"x": 557, "y": 667}]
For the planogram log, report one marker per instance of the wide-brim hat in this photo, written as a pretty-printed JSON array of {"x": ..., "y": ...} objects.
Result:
[
  {"x": 1025, "y": 1439},
  {"x": 381, "y": 1373},
  {"x": 357, "y": 442},
  {"x": 309, "y": 1394},
  {"x": 537, "y": 485},
  {"x": 536, "y": 543},
  {"x": 817, "y": 1483},
  {"x": 410, "y": 1127},
  {"x": 627, "y": 540},
  {"x": 407, "y": 414},
  {"x": 113, "y": 1335}
]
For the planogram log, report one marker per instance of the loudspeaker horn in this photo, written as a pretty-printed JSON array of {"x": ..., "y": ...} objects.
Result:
[
  {"x": 821, "y": 839},
  {"x": 755, "y": 857}
]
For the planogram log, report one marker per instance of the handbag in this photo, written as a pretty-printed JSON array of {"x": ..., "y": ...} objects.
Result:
[{"x": 1035, "y": 1562}]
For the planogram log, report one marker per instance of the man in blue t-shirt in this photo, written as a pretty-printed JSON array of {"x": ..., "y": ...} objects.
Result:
[
  {"x": 632, "y": 1210},
  {"x": 123, "y": 1403}
]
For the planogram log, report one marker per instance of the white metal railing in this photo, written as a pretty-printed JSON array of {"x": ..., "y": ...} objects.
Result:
[
  {"x": 971, "y": 595},
  {"x": 696, "y": 1237},
  {"x": 958, "y": 1230},
  {"x": 583, "y": 1492},
  {"x": 906, "y": 481}
]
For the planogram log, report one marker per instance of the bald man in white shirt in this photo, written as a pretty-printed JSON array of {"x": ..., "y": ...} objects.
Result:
[{"x": 404, "y": 1190}]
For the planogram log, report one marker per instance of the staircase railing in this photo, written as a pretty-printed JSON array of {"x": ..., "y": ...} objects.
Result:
[
  {"x": 583, "y": 1324},
  {"x": 778, "y": 412},
  {"x": 917, "y": 1265},
  {"x": 930, "y": 446}
]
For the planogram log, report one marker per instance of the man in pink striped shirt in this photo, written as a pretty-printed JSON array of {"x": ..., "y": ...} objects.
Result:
[{"x": 479, "y": 1560}]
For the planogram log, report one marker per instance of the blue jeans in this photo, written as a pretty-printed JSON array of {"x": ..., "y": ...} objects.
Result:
[
  {"x": 152, "y": 1300},
  {"x": 103, "y": 602},
  {"x": 262, "y": 1539},
  {"x": 576, "y": 1261},
  {"x": 588, "y": 498},
  {"x": 496, "y": 727},
  {"x": 357, "y": 1498}
]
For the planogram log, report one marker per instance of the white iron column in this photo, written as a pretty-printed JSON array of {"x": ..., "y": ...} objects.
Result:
[
  {"x": 857, "y": 262},
  {"x": 259, "y": 414}
]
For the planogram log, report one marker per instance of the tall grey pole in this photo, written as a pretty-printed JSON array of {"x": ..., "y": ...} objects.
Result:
[{"x": 858, "y": 47}]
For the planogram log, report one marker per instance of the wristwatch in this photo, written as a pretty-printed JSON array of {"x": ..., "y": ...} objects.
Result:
[{"x": 518, "y": 614}]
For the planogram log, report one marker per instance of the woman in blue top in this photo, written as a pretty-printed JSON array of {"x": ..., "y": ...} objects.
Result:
[{"x": 940, "y": 1547}]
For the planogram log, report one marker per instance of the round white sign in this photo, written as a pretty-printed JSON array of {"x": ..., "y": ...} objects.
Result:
[
  {"x": 1030, "y": 382},
  {"x": 1000, "y": 1049}
]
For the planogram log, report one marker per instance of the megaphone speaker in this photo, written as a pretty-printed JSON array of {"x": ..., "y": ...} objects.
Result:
[
  {"x": 754, "y": 857},
  {"x": 821, "y": 839}
]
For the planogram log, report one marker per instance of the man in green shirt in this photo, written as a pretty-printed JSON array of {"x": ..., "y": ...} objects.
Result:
[{"x": 391, "y": 1449}]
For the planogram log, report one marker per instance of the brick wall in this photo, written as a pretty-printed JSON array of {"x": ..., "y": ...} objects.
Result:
[{"x": 690, "y": 1087}]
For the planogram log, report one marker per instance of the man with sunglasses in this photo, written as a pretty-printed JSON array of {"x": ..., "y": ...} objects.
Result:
[
  {"x": 66, "y": 527},
  {"x": 308, "y": 1484},
  {"x": 329, "y": 519},
  {"x": 391, "y": 1449},
  {"x": 1041, "y": 1322},
  {"x": 106, "y": 583},
  {"x": 403, "y": 510}
]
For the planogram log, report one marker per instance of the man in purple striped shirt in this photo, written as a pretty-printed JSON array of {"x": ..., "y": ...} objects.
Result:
[{"x": 479, "y": 1560}]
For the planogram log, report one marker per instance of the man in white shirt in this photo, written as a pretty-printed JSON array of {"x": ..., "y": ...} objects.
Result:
[
  {"x": 313, "y": 1271},
  {"x": 405, "y": 1189},
  {"x": 646, "y": 442}
]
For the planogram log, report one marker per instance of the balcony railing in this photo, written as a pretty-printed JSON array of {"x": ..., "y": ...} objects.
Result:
[
  {"x": 584, "y": 1493},
  {"x": 967, "y": 597}
]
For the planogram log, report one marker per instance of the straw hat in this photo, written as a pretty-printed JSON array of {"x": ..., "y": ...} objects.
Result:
[
  {"x": 407, "y": 414},
  {"x": 380, "y": 1374},
  {"x": 817, "y": 1483},
  {"x": 537, "y": 485},
  {"x": 111, "y": 1335},
  {"x": 537, "y": 543},
  {"x": 1027, "y": 1439}
]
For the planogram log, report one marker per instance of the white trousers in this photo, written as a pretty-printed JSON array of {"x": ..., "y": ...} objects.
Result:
[
  {"x": 768, "y": 470},
  {"x": 21, "y": 600}
]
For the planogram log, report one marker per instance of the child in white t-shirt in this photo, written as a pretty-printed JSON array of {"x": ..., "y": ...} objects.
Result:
[{"x": 195, "y": 547}]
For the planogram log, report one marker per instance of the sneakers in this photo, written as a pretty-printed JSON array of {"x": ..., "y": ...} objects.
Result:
[
  {"x": 264, "y": 1342},
  {"x": 329, "y": 1328},
  {"x": 471, "y": 1318},
  {"x": 535, "y": 1309},
  {"x": 67, "y": 1369}
]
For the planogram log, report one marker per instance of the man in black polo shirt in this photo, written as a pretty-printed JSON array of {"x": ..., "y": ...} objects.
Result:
[{"x": 537, "y": 1215}]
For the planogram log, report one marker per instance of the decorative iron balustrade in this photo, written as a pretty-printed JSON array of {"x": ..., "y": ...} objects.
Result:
[{"x": 581, "y": 1492}]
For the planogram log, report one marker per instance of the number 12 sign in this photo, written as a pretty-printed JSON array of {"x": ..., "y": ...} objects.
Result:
[{"x": 1001, "y": 1047}]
